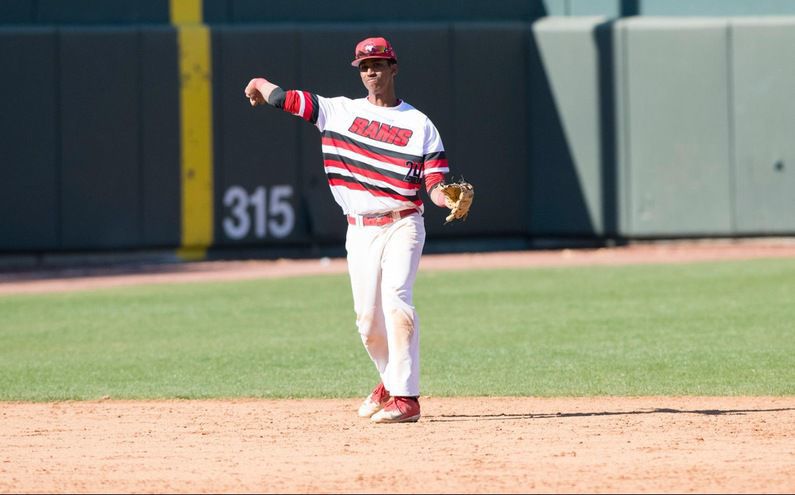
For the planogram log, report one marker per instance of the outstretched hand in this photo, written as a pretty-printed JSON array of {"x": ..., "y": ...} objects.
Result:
[{"x": 258, "y": 90}]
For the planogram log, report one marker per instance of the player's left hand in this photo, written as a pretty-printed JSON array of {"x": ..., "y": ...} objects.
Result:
[{"x": 458, "y": 197}]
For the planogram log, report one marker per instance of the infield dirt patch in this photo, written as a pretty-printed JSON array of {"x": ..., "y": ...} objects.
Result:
[{"x": 461, "y": 445}]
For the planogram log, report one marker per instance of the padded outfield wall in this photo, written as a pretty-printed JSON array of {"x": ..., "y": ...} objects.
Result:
[
  {"x": 27, "y": 12},
  {"x": 654, "y": 127},
  {"x": 570, "y": 127}
]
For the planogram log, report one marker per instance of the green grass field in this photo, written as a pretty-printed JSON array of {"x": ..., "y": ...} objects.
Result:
[{"x": 715, "y": 328}]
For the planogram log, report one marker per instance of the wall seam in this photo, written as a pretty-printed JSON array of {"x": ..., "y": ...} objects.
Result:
[
  {"x": 625, "y": 162},
  {"x": 731, "y": 121},
  {"x": 59, "y": 173},
  {"x": 141, "y": 142}
]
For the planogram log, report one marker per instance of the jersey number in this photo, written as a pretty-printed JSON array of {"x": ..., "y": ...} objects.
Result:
[{"x": 414, "y": 175}]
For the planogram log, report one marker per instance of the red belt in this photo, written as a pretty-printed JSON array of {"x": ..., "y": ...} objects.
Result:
[{"x": 380, "y": 220}]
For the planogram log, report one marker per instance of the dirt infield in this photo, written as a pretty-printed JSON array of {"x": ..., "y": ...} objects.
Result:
[{"x": 461, "y": 445}]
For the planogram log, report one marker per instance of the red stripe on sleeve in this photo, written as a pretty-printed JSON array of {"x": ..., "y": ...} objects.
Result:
[
  {"x": 432, "y": 179},
  {"x": 292, "y": 101},
  {"x": 308, "y": 107},
  {"x": 440, "y": 163}
]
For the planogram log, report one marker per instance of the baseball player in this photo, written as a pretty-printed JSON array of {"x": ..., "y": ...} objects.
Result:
[{"x": 377, "y": 153}]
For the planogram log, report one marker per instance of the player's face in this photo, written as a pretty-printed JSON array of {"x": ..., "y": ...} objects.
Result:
[{"x": 377, "y": 74}]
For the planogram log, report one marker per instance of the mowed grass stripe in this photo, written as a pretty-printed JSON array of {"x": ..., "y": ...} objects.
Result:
[{"x": 714, "y": 328}]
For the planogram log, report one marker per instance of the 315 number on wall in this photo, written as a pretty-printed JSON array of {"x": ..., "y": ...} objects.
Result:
[{"x": 267, "y": 210}]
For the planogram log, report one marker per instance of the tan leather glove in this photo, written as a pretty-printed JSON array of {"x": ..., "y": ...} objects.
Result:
[{"x": 458, "y": 197}]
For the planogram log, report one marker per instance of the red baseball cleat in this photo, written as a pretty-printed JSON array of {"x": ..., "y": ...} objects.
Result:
[
  {"x": 399, "y": 410},
  {"x": 374, "y": 402}
]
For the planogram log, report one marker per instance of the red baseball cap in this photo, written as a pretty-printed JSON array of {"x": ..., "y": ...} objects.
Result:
[{"x": 373, "y": 48}]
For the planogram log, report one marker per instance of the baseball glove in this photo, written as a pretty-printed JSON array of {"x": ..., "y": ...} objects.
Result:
[{"x": 458, "y": 197}]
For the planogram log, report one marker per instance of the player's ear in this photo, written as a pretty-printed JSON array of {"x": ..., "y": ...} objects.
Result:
[{"x": 394, "y": 67}]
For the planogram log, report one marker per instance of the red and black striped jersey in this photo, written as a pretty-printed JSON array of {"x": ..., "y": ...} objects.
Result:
[{"x": 375, "y": 158}]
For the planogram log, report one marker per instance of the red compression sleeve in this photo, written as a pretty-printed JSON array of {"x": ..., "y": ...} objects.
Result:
[
  {"x": 301, "y": 103},
  {"x": 432, "y": 180}
]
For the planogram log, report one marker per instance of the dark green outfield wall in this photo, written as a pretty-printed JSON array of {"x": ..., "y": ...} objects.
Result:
[
  {"x": 484, "y": 128},
  {"x": 89, "y": 155},
  {"x": 570, "y": 127},
  {"x": 248, "y": 11}
]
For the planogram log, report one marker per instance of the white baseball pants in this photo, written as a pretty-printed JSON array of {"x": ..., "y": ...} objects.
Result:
[{"x": 383, "y": 263}]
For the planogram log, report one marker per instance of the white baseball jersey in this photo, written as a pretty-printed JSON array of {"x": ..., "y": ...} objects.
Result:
[{"x": 375, "y": 158}]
